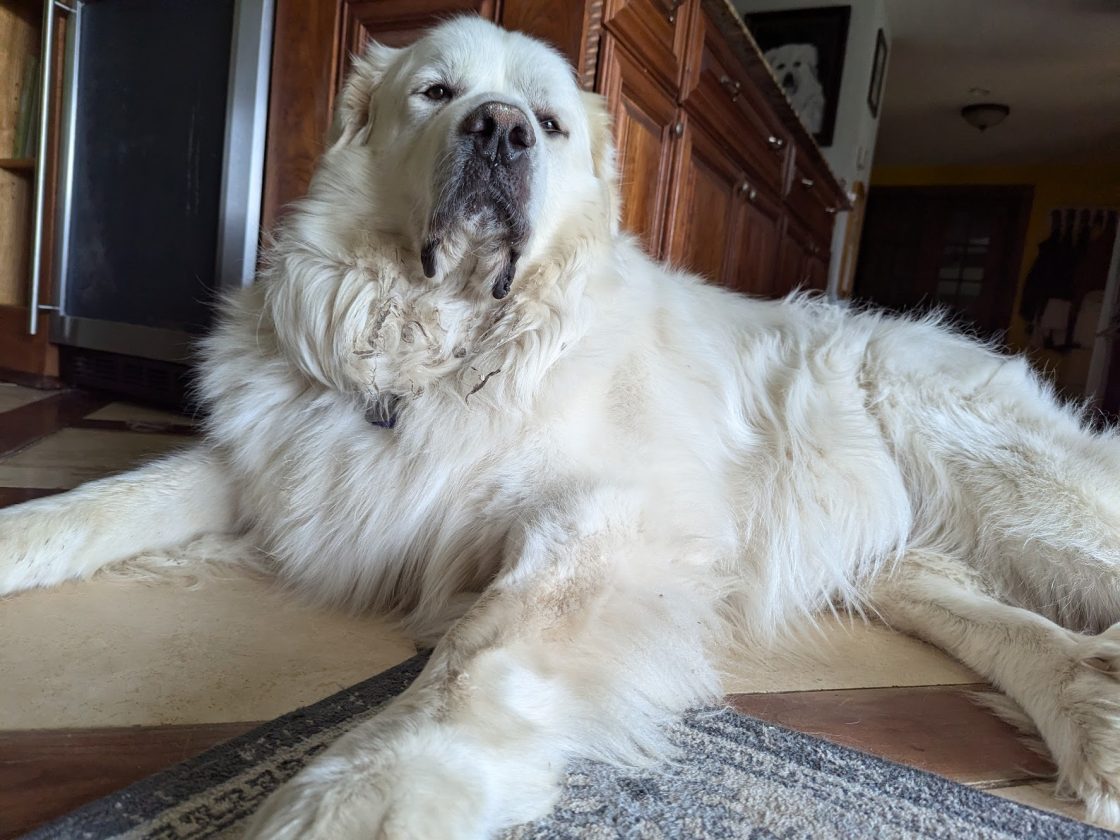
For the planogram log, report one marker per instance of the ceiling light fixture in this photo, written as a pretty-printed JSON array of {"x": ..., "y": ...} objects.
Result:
[{"x": 983, "y": 115}]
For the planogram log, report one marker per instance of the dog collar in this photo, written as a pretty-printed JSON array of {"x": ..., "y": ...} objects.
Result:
[{"x": 383, "y": 413}]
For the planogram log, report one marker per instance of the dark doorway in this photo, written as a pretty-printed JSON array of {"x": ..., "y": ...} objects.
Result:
[{"x": 957, "y": 248}]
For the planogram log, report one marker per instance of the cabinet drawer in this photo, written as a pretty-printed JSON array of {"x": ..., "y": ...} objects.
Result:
[
  {"x": 730, "y": 106},
  {"x": 656, "y": 31}
]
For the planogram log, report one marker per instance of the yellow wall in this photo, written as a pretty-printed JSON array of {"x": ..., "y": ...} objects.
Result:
[{"x": 1054, "y": 186}]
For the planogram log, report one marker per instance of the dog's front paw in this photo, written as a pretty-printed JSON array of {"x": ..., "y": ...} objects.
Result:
[{"x": 407, "y": 778}]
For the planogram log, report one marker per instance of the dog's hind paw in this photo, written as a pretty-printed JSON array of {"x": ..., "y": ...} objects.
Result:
[{"x": 1088, "y": 755}]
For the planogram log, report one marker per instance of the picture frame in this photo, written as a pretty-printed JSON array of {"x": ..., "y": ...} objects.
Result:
[
  {"x": 805, "y": 49},
  {"x": 878, "y": 74}
]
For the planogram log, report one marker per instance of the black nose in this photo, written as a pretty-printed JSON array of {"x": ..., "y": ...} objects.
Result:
[
  {"x": 501, "y": 133},
  {"x": 788, "y": 81}
]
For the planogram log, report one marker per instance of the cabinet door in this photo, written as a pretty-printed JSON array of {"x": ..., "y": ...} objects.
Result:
[
  {"x": 759, "y": 234},
  {"x": 646, "y": 128},
  {"x": 816, "y": 272},
  {"x": 803, "y": 261},
  {"x": 706, "y": 208},
  {"x": 723, "y": 226}
]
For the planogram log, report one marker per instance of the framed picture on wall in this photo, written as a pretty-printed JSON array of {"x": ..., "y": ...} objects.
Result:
[
  {"x": 805, "y": 50},
  {"x": 878, "y": 73}
]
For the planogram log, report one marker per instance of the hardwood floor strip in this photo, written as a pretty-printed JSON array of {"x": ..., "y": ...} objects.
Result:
[
  {"x": 29, "y": 423},
  {"x": 15, "y": 495},
  {"x": 46, "y": 773},
  {"x": 934, "y": 728}
]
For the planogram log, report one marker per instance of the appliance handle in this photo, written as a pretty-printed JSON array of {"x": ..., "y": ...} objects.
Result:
[{"x": 46, "y": 81}]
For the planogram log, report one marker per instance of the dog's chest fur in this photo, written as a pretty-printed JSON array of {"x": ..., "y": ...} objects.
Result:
[{"x": 356, "y": 511}]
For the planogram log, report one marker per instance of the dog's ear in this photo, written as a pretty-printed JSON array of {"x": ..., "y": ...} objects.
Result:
[
  {"x": 603, "y": 153},
  {"x": 354, "y": 109}
]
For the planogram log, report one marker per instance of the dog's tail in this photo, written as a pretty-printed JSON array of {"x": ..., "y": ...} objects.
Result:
[{"x": 163, "y": 504}]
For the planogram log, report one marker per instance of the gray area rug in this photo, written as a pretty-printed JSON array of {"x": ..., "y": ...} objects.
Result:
[{"x": 736, "y": 777}]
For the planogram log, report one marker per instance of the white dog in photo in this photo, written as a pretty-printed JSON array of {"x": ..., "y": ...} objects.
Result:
[
  {"x": 795, "y": 66},
  {"x": 460, "y": 395}
]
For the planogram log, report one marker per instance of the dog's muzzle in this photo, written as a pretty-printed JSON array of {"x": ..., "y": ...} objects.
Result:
[{"x": 487, "y": 183}]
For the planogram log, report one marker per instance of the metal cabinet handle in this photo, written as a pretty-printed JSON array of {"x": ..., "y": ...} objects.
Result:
[
  {"x": 732, "y": 86},
  {"x": 747, "y": 190},
  {"x": 808, "y": 183},
  {"x": 776, "y": 143},
  {"x": 830, "y": 210},
  {"x": 674, "y": 5},
  {"x": 678, "y": 129}
]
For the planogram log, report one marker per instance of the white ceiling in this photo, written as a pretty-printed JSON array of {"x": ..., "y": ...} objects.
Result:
[{"x": 1055, "y": 62}]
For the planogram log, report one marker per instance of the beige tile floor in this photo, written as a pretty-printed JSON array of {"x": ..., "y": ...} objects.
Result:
[
  {"x": 103, "y": 653},
  {"x": 112, "y": 653},
  {"x": 14, "y": 396},
  {"x": 72, "y": 456}
]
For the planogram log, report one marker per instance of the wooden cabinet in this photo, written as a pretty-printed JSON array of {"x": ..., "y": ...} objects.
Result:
[{"x": 717, "y": 173}]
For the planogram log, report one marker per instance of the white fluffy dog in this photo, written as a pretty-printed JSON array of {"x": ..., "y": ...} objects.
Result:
[
  {"x": 795, "y": 66},
  {"x": 458, "y": 394}
]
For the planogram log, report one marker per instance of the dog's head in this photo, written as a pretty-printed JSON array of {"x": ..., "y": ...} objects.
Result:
[
  {"x": 795, "y": 65},
  {"x": 476, "y": 149}
]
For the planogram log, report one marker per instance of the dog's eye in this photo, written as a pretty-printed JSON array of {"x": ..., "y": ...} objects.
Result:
[
  {"x": 550, "y": 125},
  {"x": 438, "y": 93},
  {"x": 797, "y": 64}
]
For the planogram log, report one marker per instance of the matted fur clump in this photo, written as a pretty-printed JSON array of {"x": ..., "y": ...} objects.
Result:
[{"x": 458, "y": 394}]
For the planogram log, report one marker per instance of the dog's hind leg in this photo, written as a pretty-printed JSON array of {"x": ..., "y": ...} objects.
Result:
[
  {"x": 1067, "y": 683},
  {"x": 1047, "y": 505},
  {"x": 163, "y": 504},
  {"x": 586, "y": 644}
]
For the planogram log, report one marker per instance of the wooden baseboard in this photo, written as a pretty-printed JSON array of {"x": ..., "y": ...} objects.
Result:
[{"x": 31, "y": 380}]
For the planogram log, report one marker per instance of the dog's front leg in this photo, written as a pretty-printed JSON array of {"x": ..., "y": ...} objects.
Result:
[
  {"x": 163, "y": 504},
  {"x": 591, "y": 638}
]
